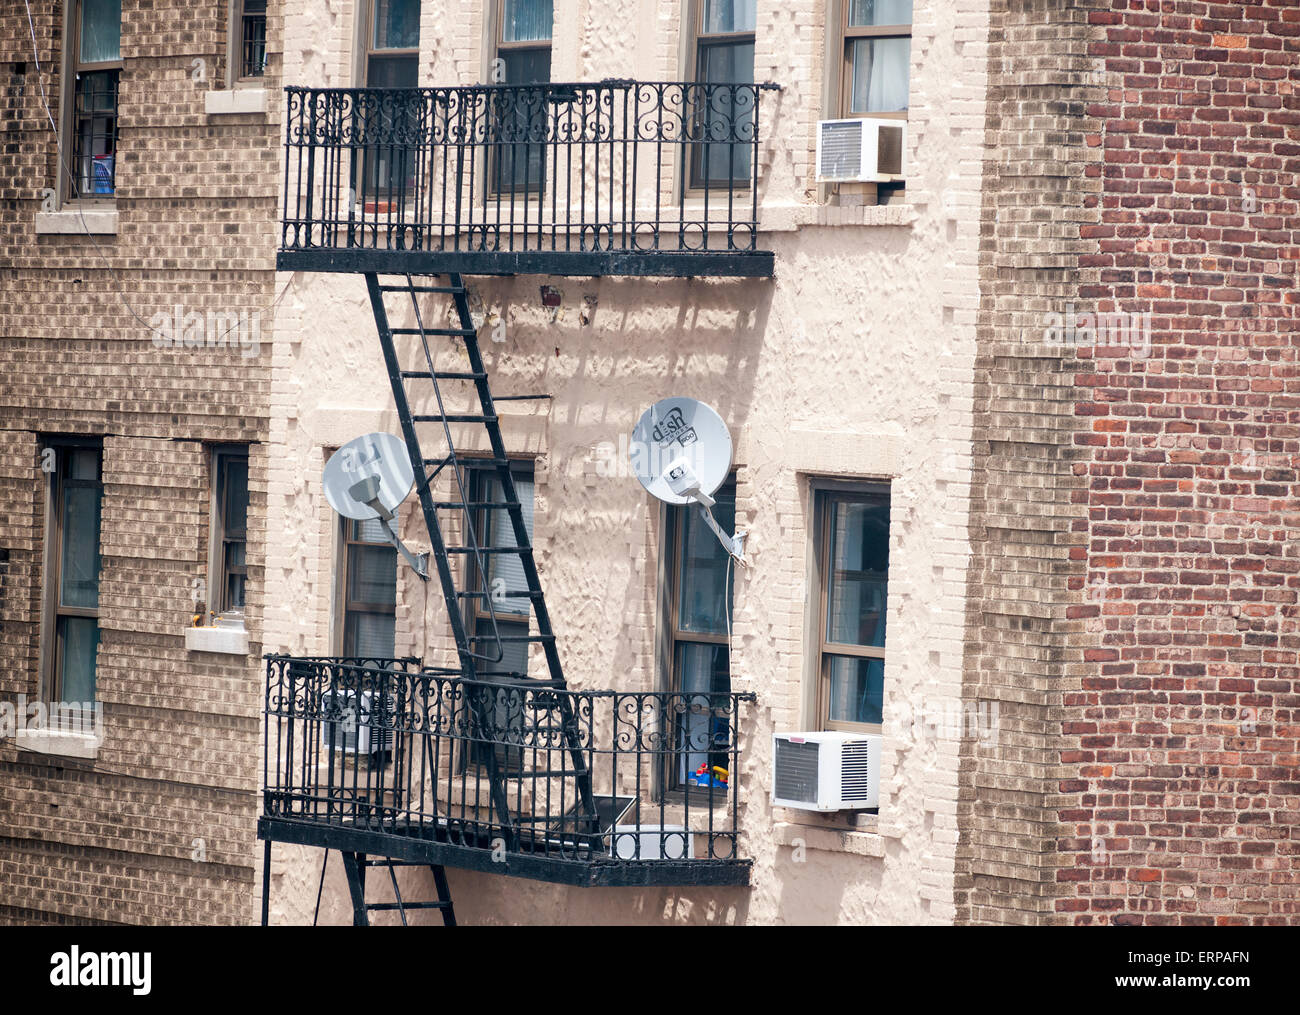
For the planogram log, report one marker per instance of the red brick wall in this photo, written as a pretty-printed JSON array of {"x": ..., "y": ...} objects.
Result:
[{"x": 1182, "y": 742}]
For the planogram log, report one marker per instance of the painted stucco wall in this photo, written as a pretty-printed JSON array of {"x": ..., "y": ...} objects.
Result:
[{"x": 855, "y": 361}]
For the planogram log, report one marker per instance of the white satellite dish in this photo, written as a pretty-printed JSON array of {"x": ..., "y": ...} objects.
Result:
[
  {"x": 367, "y": 479},
  {"x": 681, "y": 453}
]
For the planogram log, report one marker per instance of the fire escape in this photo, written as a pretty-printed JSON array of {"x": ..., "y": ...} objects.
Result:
[{"x": 392, "y": 762}]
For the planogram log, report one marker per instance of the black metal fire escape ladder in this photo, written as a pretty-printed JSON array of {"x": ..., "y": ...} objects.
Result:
[{"x": 475, "y": 663}]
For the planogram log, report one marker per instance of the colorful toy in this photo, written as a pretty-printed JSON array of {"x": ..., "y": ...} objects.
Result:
[{"x": 704, "y": 777}]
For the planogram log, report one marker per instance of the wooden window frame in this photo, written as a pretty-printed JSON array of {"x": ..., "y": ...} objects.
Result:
[
  {"x": 52, "y": 580},
  {"x": 850, "y": 33},
  {"x": 235, "y": 60},
  {"x": 699, "y": 42},
  {"x": 73, "y": 68},
  {"x": 824, "y": 496},
  {"x": 368, "y": 49},
  {"x": 347, "y": 606},
  {"x": 676, "y": 545},
  {"x": 220, "y": 538}
]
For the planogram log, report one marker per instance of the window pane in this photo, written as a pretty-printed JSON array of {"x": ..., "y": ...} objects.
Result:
[
  {"x": 369, "y": 635},
  {"x": 514, "y": 657},
  {"x": 235, "y": 562},
  {"x": 857, "y": 689},
  {"x": 101, "y": 30},
  {"x": 83, "y": 463},
  {"x": 369, "y": 531},
  {"x": 880, "y": 68},
  {"x": 526, "y": 67},
  {"x": 95, "y": 142},
  {"x": 397, "y": 24},
  {"x": 527, "y": 20},
  {"x": 372, "y": 575},
  {"x": 729, "y": 16},
  {"x": 702, "y": 569},
  {"x": 879, "y": 12},
  {"x": 235, "y": 486},
  {"x": 701, "y": 737},
  {"x": 859, "y": 566},
  {"x": 81, "y": 561},
  {"x": 393, "y": 72},
  {"x": 507, "y": 570},
  {"x": 252, "y": 32},
  {"x": 78, "y": 639},
  {"x": 721, "y": 119}
]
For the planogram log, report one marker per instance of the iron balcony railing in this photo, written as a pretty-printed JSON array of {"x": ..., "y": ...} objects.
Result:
[
  {"x": 409, "y": 752},
  {"x": 604, "y": 169}
]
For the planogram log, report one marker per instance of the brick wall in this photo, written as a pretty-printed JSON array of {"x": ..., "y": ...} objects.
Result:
[
  {"x": 159, "y": 827},
  {"x": 1181, "y": 795}
]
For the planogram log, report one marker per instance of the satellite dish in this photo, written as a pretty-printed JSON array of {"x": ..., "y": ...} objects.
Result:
[
  {"x": 369, "y": 477},
  {"x": 681, "y": 432},
  {"x": 681, "y": 453}
]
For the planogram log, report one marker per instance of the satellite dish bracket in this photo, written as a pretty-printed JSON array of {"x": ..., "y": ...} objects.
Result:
[
  {"x": 419, "y": 562},
  {"x": 734, "y": 545}
]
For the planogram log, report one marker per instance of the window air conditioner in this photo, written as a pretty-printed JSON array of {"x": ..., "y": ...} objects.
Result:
[
  {"x": 826, "y": 771},
  {"x": 863, "y": 150},
  {"x": 363, "y": 730}
]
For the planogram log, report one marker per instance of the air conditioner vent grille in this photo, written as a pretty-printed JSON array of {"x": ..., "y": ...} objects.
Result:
[
  {"x": 796, "y": 771},
  {"x": 855, "y": 771},
  {"x": 841, "y": 151}
]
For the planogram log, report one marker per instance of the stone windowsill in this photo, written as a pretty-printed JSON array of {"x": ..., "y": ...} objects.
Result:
[
  {"x": 865, "y": 838},
  {"x": 73, "y": 219},
  {"x": 225, "y": 640},
  {"x": 65, "y": 745},
  {"x": 234, "y": 101}
]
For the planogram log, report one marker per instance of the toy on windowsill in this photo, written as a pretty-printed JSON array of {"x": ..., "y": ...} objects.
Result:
[{"x": 703, "y": 776}]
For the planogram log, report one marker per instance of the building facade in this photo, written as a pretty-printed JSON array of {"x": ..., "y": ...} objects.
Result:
[{"x": 1029, "y": 406}]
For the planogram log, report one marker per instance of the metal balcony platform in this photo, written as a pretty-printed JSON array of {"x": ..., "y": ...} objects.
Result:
[{"x": 609, "y": 178}]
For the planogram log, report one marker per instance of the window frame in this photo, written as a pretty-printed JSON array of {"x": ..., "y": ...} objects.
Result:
[
  {"x": 219, "y": 537},
  {"x": 367, "y": 49},
  {"x": 346, "y": 605},
  {"x": 675, "y": 527},
  {"x": 699, "y": 42},
  {"x": 235, "y": 76},
  {"x": 52, "y": 608},
  {"x": 72, "y": 69},
  {"x": 848, "y": 35},
  {"x": 825, "y": 494}
]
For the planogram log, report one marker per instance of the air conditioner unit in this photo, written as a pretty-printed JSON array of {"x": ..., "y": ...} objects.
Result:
[
  {"x": 657, "y": 842},
  {"x": 364, "y": 728},
  {"x": 826, "y": 771},
  {"x": 862, "y": 150}
]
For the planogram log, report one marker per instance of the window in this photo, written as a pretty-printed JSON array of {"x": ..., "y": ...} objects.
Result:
[
  {"x": 877, "y": 53},
  {"x": 369, "y": 591},
  {"x": 523, "y": 57},
  {"x": 724, "y": 54},
  {"x": 700, "y": 606},
  {"x": 94, "y": 65},
  {"x": 250, "y": 53},
  {"x": 390, "y": 48},
  {"x": 505, "y": 575},
  {"x": 72, "y": 571},
  {"x": 852, "y": 533},
  {"x": 229, "y": 531}
]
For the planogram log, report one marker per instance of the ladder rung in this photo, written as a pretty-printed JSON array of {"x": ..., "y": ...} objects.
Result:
[
  {"x": 514, "y": 639},
  {"x": 478, "y": 462},
  {"x": 523, "y": 594},
  {"x": 520, "y": 398},
  {"x": 490, "y": 550},
  {"x": 455, "y": 505},
  {"x": 449, "y": 332},
  {"x": 454, "y": 417},
  {"x": 408, "y": 905},
  {"x": 424, "y": 375},
  {"x": 449, "y": 290}
]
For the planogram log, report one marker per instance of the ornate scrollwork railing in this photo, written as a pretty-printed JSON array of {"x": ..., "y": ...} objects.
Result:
[
  {"x": 390, "y": 746},
  {"x": 608, "y": 167}
]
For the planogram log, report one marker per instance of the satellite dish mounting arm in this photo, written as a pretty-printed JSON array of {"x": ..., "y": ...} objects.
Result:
[
  {"x": 683, "y": 482},
  {"x": 367, "y": 492}
]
